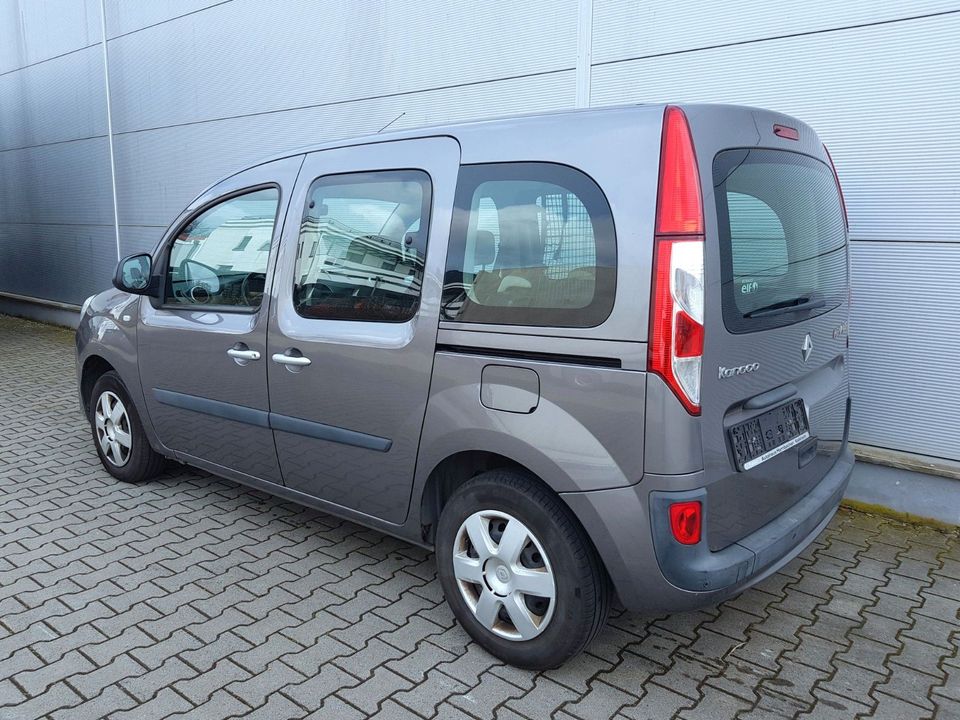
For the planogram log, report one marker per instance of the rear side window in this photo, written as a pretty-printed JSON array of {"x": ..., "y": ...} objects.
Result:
[
  {"x": 363, "y": 239},
  {"x": 531, "y": 244},
  {"x": 782, "y": 238}
]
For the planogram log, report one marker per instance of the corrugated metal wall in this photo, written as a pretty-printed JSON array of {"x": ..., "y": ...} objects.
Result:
[{"x": 200, "y": 87}]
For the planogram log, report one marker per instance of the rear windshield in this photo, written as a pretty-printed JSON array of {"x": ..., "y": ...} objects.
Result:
[{"x": 782, "y": 238}]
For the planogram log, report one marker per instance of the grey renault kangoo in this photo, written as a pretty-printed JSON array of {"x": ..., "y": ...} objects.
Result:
[{"x": 583, "y": 356}]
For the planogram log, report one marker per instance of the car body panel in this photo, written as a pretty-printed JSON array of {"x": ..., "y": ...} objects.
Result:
[
  {"x": 368, "y": 381},
  {"x": 185, "y": 371}
]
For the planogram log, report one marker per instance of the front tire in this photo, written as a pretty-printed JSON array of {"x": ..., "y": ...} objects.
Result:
[
  {"x": 118, "y": 435},
  {"x": 519, "y": 572}
]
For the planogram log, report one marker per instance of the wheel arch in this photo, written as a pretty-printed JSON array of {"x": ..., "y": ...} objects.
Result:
[{"x": 94, "y": 367}]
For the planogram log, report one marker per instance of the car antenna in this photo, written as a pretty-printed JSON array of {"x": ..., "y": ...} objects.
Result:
[{"x": 391, "y": 122}]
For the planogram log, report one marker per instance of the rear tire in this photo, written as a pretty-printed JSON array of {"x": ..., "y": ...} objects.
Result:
[
  {"x": 519, "y": 572},
  {"x": 118, "y": 436}
]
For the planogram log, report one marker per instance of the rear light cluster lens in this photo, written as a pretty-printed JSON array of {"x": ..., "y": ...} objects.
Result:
[
  {"x": 685, "y": 522},
  {"x": 676, "y": 322}
]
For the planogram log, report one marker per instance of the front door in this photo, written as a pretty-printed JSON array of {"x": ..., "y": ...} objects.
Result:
[
  {"x": 202, "y": 347},
  {"x": 354, "y": 320}
]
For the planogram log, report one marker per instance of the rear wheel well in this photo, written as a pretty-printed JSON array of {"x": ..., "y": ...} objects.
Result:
[
  {"x": 93, "y": 368},
  {"x": 450, "y": 474}
]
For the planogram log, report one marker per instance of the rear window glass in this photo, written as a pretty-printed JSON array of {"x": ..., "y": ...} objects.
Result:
[
  {"x": 782, "y": 238},
  {"x": 531, "y": 244}
]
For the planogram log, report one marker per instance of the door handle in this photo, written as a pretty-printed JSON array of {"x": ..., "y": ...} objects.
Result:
[
  {"x": 241, "y": 354},
  {"x": 295, "y": 360},
  {"x": 238, "y": 354}
]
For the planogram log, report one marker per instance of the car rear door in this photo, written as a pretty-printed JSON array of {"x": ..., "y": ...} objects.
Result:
[
  {"x": 202, "y": 345},
  {"x": 354, "y": 321},
  {"x": 774, "y": 375}
]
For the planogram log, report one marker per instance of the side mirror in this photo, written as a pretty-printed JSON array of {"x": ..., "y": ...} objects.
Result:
[{"x": 134, "y": 275}]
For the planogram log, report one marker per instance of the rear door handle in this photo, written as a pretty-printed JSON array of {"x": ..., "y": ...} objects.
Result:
[{"x": 287, "y": 359}]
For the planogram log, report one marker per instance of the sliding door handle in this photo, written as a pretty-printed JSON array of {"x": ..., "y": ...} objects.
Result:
[{"x": 294, "y": 360}]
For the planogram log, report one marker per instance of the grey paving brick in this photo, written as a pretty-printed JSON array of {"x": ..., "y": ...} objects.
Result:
[
  {"x": 432, "y": 689},
  {"x": 105, "y": 704},
  {"x": 35, "y": 681},
  {"x": 368, "y": 695},
  {"x": 311, "y": 693},
  {"x": 255, "y": 689},
  {"x": 601, "y": 700},
  {"x": 89, "y": 684},
  {"x": 146, "y": 684},
  {"x": 657, "y": 702}
]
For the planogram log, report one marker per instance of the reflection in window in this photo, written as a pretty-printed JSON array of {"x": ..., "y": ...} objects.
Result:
[
  {"x": 361, "y": 250},
  {"x": 220, "y": 257}
]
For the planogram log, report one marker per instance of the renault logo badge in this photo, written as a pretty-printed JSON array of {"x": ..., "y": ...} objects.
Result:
[{"x": 807, "y": 348}]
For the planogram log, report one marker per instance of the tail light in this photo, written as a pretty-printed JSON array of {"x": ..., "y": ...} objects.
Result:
[
  {"x": 685, "y": 521},
  {"x": 843, "y": 203},
  {"x": 675, "y": 350}
]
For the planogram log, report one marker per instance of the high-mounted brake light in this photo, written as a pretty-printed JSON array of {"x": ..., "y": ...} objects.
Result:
[
  {"x": 675, "y": 350},
  {"x": 836, "y": 177},
  {"x": 685, "y": 521},
  {"x": 786, "y": 132}
]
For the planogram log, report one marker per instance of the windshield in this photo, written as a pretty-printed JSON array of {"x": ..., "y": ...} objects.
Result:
[{"x": 782, "y": 238}]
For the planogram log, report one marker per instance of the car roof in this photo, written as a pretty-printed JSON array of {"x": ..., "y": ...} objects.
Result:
[{"x": 463, "y": 132}]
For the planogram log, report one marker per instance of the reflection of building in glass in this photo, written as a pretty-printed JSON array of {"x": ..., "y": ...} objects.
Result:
[
  {"x": 238, "y": 245},
  {"x": 332, "y": 252}
]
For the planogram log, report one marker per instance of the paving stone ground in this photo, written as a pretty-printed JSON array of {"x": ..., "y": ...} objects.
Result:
[{"x": 192, "y": 596}]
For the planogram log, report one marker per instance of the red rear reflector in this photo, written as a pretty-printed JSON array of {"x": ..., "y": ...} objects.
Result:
[
  {"x": 685, "y": 522},
  {"x": 679, "y": 210},
  {"x": 787, "y": 133}
]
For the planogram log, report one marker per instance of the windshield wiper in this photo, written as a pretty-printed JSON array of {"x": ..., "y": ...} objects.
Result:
[{"x": 783, "y": 307}]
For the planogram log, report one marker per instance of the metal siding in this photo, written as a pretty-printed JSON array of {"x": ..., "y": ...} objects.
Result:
[
  {"x": 124, "y": 17},
  {"x": 32, "y": 31},
  {"x": 58, "y": 100},
  {"x": 643, "y": 28},
  {"x": 226, "y": 61},
  {"x": 904, "y": 344},
  {"x": 57, "y": 184},
  {"x": 160, "y": 171},
  {"x": 56, "y": 262}
]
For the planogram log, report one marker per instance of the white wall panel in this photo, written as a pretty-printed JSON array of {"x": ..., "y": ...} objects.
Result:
[
  {"x": 642, "y": 28},
  {"x": 885, "y": 99},
  {"x": 126, "y": 16},
  {"x": 63, "y": 262},
  {"x": 243, "y": 57},
  {"x": 905, "y": 341},
  {"x": 160, "y": 171},
  {"x": 54, "y": 101},
  {"x": 32, "y": 31},
  {"x": 62, "y": 184}
]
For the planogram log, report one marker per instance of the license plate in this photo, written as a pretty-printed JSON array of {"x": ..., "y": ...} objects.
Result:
[{"x": 766, "y": 436}]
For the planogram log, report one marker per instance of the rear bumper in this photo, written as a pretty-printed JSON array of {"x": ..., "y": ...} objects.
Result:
[{"x": 654, "y": 573}]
